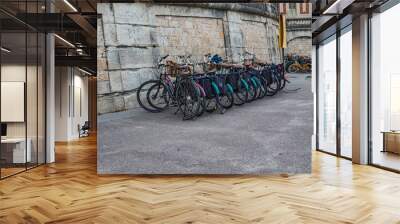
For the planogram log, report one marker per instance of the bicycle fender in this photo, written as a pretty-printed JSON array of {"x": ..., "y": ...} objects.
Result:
[
  {"x": 245, "y": 84},
  {"x": 216, "y": 89},
  {"x": 229, "y": 87}
]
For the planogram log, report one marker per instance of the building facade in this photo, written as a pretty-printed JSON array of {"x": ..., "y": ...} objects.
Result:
[{"x": 298, "y": 23}]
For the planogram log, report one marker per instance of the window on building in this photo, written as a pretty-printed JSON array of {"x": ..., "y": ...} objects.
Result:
[
  {"x": 346, "y": 93},
  {"x": 283, "y": 8},
  {"x": 327, "y": 95},
  {"x": 304, "y": 8},
  {"x": 385, "y": 89}
]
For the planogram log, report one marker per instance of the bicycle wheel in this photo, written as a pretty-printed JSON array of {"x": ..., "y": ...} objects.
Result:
[
  {"x": 273, "y": 86},
  {"x": 282, "y": 82},
  {"x": 257, "y": 83},
  {"x": 218, "y": 97},
  {"x": 158, "y": 96},
  {"x": 293, "y": 68},
  {"x": 263, "y": 87},
  {"x": 241, "y": 93},
  {"x": 202, "y": 99},
  {"x": 188, "y": 99},
  {"x": 141, "y": 95},
  {"x": 252, "y": 91},
  {"x": 211, "y": 105},
  {"x": 226, "y": 98}
]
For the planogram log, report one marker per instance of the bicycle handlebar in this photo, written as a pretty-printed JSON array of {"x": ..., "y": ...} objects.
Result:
[{"x": 162, "y": 58}]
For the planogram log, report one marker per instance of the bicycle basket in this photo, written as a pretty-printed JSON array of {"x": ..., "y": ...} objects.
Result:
[{"x": 171, "y": 70}]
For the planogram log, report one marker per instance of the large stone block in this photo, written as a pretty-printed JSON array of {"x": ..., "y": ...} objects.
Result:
[
  {"x": 106, "y": 11},
  {"x": 131, "y": 80},
  {"x": 236, "y": 39},
  {"x": 252, "y": 17},
  {"x": 185, "y": 11},
  {"x": 105, "y": 104},
  {"x": 110, "y": 35},
  {"x": 100, "y": 33},
  {"x": 119, "y": 103},
  {"x": 101, "y": 52},
  {"x": 235, "y": 54},
  {"x": 130, "y": 35},
  {"x": 103, "y": 87},
  {"x": 113, "y": 58},
  {"x": 128, "y": 13},
  {"x": 102, "y": 75},
  {"x": 233, "y": 16},
  {"x": 115, "y": 81},
  {"x": 133, "y": 57},
  {"x": 131, "y": 101},
  {"x": 101, "y": 64}
]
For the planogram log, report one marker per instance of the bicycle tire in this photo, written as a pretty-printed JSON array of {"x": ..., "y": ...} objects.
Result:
[
  {"x": 257, "y": 83},
  {"x": 164, "y": 94},
  {"x": 273, "y": 87},
  {"x": 189, "y": 99},
  {"x": 252, "y": 91},
  {"x": 264, "y": 85},
  {"x": 202, "y": 106},
  {"x": 139, "y": 98},
  {"x": 217, "y": 93},
  {"x": 226, "y": 98},
  {"x": 241, "y": 93}
]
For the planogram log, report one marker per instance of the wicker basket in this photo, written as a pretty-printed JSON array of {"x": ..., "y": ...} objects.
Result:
[{"x": 173, "y": 69}]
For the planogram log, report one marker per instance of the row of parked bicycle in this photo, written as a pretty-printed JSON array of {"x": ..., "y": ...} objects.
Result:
[
  {"x": 218, "y": 87},
  {"x": 297, "y": 64}
]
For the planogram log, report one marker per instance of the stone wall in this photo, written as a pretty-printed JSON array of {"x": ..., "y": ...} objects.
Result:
[
  {"x": 300, "y": 45},
  {"x": 132, "y": 36},
  {"x": 198, "y": 36},
  {"x": 299, "y": 34}
]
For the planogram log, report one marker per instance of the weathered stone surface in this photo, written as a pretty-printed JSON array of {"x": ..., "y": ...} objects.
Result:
[
  {"x": 255, "y": 39},
  {"x": 300, "y": 46},
  {"x": 110, "y": 35},
  {"x": 103, "y": 87},
  {"x": 100, "y": 33},
  {"x": 190, "y": 36},
  {"x": 235, "y": 54},
  {"x": 115, "y": 81},
  {"x": 131, "y": 101},
  {"x": 102, "y": 64},
  {"x": 119, "y": 103},
  {"x": 236, "y": 39},
  {"x": 133, "y": 57},
  {"x": 128, "y": 13},
  {"x": 106, "y": 10},
  {"x": 133, "y": 79},
  {"x": 101, "y": 52},
  {"x": 113, "y": 58},
  {"x": 254, "y": 18},
  {"x": 105, "y": 104},
  {"x": 102, "y": 75},
  {"x": 130, "y": 35},
  {"x": 233, "y": 16}
]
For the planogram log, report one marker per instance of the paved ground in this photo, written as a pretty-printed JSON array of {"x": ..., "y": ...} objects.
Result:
[{"x": 272, "y": 135}]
